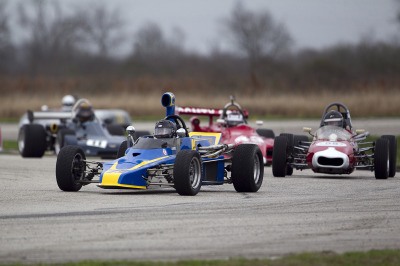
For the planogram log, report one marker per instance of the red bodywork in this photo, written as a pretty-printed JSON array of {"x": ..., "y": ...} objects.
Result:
[
  {"x": 331, "y": 152},
  {"x": 240, "y": 134}
]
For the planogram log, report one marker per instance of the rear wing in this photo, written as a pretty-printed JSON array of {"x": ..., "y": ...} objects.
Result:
[
  {"x": 44, "y": 115},
  {"x": 211, "y": 112}
]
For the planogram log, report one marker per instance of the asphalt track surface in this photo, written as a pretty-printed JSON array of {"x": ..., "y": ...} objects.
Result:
[
  {"x": 304, "y": 212},
  {"x": 375, "y": 126}
]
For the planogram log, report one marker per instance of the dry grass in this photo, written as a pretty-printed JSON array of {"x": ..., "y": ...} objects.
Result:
[{"x": 371, "y": 103}]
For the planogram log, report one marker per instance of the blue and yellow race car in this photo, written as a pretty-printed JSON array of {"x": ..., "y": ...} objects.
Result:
[{"x": 171, "y": 157}]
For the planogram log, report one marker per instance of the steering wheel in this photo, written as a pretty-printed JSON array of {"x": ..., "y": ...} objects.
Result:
[
  {"x": 339, "y": 106},
  {"x": 179, "y": 123},
  {"x": 225, "y": 110}
]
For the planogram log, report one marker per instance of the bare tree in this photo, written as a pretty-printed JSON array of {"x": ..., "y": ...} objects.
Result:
[
  {"x": 151, "y": 43},
  {"x": 54, "y": 36},
  {"x": 5, "y": 43},
  {"x": 256, "y": 34},
  {"x": 104, "y": 29}
]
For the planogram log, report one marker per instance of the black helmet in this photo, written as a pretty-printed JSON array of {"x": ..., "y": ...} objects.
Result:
[
  {"x": 85, "y": 112},
  {"x": 333, "y": 118},
  {"x": 165, "y": 129}
]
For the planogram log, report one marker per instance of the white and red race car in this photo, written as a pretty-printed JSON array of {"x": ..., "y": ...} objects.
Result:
[
  {"x": 232, "y": 123},
  {"x": 335, "y": 149}
]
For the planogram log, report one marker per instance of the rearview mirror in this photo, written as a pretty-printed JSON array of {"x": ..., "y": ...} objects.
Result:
[
  {"x": 307, "y": 129},
  {"x": 130, "y": 130},
  {"x": 259, "y": 123},
  {"x": 181, "y": 132},
  {"x": 360, "y": 131}
]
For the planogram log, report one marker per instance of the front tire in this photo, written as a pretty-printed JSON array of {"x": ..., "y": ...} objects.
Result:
[
  {"x": 381, "y": 158},
  {"x": 266, "y": 133},
  {"x": 32, "y": 140},
  {"x": 188, "y": 172},
  {"x": 247, "y": 168},
  {"x": 279, "y": 156},
  {"x": 70, "y": 168},
  {"x": 392, "y": 154}
]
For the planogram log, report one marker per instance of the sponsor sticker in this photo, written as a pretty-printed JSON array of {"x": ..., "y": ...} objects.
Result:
[
  {"x": 97, "y": 143},
  {"x": 331, "y": 143}
]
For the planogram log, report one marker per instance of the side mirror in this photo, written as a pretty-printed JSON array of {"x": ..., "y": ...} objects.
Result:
[
  {"x": 259, "y": 123},
  {"x": 181, "y": 132},
  {"x": 220, "y": 122},
  {"x": 307, "y": 129},
  {"x": 360, "y": 131},
  {"x": 130, "y": 130}
]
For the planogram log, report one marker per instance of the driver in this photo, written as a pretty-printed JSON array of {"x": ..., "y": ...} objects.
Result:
[
  {"x": 333, "y": 118},
  {"x": 165, "y": 129},
  {"x": 234, "y": 119},
  {"x": 84, "y": 112},
  {"x": 68, "y": 102}
]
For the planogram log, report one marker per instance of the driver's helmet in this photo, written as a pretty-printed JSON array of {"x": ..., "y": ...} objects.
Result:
[
  {"x": 233, "y": 119},
  {"x": 333, "y": 118},
  {"x": 84, "y": 112},
  {"x": 68, "y": 102},
  {"x": 165, "y": 129}
]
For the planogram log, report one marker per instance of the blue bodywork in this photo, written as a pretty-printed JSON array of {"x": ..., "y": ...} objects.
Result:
[{"x": 131, "y": 170}]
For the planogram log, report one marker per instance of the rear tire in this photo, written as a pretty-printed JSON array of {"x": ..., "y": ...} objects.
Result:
[
  {"x": 116, "y": 130},
  {"x": 188, "y": 172},
  {"x": 381, "y": 158},
  {"x": 267, "y": 133},
  {"x": 392, "y": 154},
  {"x": 247, "y": 168},
  {"x": 141, "y": 133},
  {"x": 122, "y": 149},
  {"x": 279, "y": 156},
  {"x": 32, "y": 140},
  {"x": 60, "y": 142},
  {"x": 70, "y": 168}
]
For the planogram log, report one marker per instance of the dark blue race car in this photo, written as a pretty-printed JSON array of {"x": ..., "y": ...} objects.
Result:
[
  {"x": 53, "y": 130},
  {"x": 172, "y": 157}
]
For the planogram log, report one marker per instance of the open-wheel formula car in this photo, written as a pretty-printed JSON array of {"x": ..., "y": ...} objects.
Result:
[
  {"x": 335, "y": 149},
  {"x": 79, "y": 127},
  {"x": 172, "y": 158},
  {"x": 232, "y": 124}
]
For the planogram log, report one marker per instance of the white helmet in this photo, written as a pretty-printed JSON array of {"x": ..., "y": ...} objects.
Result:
[{"x": 68, "y": 102}]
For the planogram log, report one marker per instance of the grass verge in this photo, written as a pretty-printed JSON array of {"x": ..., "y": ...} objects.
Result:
[{"x": 374, "y": 257}]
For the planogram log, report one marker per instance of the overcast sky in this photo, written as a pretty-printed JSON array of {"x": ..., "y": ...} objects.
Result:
[{"x": 311, "y": 23}]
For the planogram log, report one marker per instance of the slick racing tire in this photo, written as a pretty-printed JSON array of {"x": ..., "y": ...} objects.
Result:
[
  {"x": 392, "y": 154},
  {"x": 122, "y": 149},
  {"x": 60, "y": 140},
  {"x": 141, "y": 133},
  {"x": 188, "y": 172},
  {"x": 267, "y": 133},
  {"x": 116, "y": 130},
  {"x": 32, "y": 140},
  {"x": 381, "y": 158},
  {"x": 299, "y": 138},
  {"x": 290, "y": 142},
  {"x": 279, "y": 156},
  {"x": 70, "y": 168},
  {"x": 247, "y": 168}
]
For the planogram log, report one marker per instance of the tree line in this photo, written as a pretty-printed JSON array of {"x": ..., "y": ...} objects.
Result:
[{"x": 62, "y": 43}]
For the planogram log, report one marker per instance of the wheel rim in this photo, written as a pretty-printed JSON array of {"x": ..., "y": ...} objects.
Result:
[
  {"x": 21, "y": 143},
  {"x": 194, "y": 173},
  {"x": 388, "y": 162},
  {"x": 78, "y": 167},
  {"x": 57, "y": 147},
  {"x": 256, "y": 169}
]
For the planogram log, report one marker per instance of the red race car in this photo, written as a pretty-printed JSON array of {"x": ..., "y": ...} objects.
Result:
[
  {"x": 335, "y": 149},
  {"x": 232, "y": 123}
]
